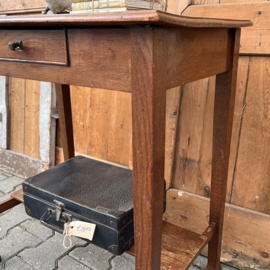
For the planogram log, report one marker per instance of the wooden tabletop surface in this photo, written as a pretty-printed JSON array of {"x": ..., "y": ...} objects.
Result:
[{"x": 128, "y": 18}]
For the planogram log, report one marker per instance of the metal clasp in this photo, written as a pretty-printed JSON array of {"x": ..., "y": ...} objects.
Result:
[{"x": 58, "y": 210}]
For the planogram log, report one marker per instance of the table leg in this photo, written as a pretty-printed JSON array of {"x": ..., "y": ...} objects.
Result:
[
  {"x": 65, "y": 119},
  {"x": 223, "y": 121},
  {"x": 148, "y": 120}
]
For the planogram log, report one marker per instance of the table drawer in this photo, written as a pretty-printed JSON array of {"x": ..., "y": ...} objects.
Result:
[{"x": 38, "y": 46}]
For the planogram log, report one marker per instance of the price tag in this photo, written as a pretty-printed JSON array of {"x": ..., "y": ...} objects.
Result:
[{"x": 81, "y": 229}]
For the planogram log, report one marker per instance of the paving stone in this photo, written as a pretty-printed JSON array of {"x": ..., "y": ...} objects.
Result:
[
  {"x": 34, "y": 227},
  {"x": 93, "y": 257},
  {"x": 44, "y": 256},
  {"x": 124, "y": 262},
  {"x": 68, "y": 263},
  {"x": 16, "y": 240},
  {"x": 7, "y": 185},
  {"x": 12, "y": 218},
  {"x": 4, "y": 175},
  {"x": 18, "y": 264}
]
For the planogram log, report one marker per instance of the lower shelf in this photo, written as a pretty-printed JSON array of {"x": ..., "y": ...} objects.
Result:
[{"x": 180, "y": 247}]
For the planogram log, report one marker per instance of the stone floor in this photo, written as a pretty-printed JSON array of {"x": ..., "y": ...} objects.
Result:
[{"x": 27, "y": 245}]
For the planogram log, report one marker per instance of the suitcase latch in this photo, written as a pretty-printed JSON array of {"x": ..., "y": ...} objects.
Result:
[{"x": 58, "y": 210}]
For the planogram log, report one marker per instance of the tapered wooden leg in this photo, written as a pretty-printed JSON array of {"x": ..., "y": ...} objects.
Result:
[
  {"x": 65, "y": 119},
  {"x": 148, "y": 120},
  {"x": 223, "y": 120}
]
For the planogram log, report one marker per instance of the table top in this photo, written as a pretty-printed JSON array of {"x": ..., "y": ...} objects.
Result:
[{"x": 127, "y": 19}]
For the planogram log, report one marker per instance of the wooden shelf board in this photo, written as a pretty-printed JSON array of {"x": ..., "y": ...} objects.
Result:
[
  {"x": 17, "y": 195},
  {"x": 180, "y": 247}
]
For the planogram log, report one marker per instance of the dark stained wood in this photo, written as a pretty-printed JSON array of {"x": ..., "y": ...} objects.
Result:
[
  {"x": 65, "y": 119},
  {"x": 148, "y": 133},
  {"x": 17, "y": 195},
  {"x": 98, "y": 58},
  {"x": 101, "y": 57},
  {"x": 7, "y": 204},
  {"x": 222, "y": 129},
  {"x": 180, "y": 246},
  {"x": 208, "y": 59},
  {"x": 38, "y": 46},
  {"x": 149, "y": 17}
]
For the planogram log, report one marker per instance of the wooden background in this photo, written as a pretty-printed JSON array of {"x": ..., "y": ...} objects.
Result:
[{"x": 102, "y": 127}]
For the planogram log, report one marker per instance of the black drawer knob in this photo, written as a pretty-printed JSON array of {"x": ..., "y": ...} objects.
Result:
[{"x": 15, "y": 46}]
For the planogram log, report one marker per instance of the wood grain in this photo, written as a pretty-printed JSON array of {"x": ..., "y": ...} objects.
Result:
[
  {"x": 31, "y": 119},
  {"x": 222, "y": 129},
  {"x": 128, "y": 18},
  {"x": 148, "y": 134},
  {"x": 65, "y": 119},
  {"x": 18, "y": 6},
  {"x": 252, "y": 164},
  {"x": 208, "y": 59},
  {"x": 34, "y": 44},
  {"x": 241, "y": 247},
  {"x": 17, "y": 109},
  {"x": 179, "y": 246},
  {"x": 254, "y": 40}
]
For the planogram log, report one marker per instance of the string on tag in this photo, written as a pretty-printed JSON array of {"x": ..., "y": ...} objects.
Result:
[{"x": 67, "y": 236}]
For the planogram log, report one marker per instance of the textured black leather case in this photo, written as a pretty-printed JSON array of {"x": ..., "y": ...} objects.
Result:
[{"x": 89, "y": 191}]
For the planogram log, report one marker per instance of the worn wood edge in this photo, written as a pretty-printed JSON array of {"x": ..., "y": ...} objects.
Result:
[
  {"x": 192, "y": 212},
  {"x": 60, "y": 158},
  {"x": 17, "y": 195},
  {"x": 21, "y": 165},
  {"x": 152, "y": 17},
  {"x": 7, "y": 204}
]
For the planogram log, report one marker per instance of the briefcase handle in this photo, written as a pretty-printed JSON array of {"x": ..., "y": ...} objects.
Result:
[{"x": 46, "y": 216}]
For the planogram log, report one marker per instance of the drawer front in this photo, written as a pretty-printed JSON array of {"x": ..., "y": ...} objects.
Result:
[{"x": 38, "y": 46}]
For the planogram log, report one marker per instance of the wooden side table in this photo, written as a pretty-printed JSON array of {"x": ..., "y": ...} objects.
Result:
[{"x": 145, "y": 53}]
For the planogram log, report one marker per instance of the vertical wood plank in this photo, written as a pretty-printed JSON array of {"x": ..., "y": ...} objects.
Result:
[
  {"x": 17, "y": 108},
  {"x": 4, "y": 112},
  {"x": 65, "y": 119},
  {"x": 80, "y": 100},
  {"x": 99, "y": 119},
  {"x": 253, "y": 159},
  {"x": 119, "y": 130},
  {"x": 148, "y": 61},
  {"x": 222, "y": 129},
  {"x": 32, "y": 98},
  {"x": 45, "y": 121}
]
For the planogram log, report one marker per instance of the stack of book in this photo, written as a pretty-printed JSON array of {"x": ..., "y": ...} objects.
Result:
[{"x": 104, "y": 6}]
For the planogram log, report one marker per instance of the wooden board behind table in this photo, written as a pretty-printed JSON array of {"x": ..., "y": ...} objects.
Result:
[
  {"x": 245, "y": 243},
  {"x": 21, "y": 6},
  {"x": 255, "y": 39},
  {"x": 24, "y": 100}
]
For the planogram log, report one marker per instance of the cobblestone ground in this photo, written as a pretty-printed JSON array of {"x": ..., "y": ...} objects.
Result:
[{"x": 27, "y": 245}]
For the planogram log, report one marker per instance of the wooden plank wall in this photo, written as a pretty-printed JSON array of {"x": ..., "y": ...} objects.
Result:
[
  {"x": 19, "y": 6},
  {"x": 24, "y": 106}
]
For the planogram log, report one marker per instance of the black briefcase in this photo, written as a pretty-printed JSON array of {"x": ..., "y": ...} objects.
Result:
[{"x": 82, "y": 189}]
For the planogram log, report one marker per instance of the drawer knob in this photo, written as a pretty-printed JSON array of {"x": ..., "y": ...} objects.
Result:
[{"x": 15, "y": 46}]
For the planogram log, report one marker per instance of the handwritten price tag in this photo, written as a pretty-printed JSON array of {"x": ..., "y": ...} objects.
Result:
[{"x": 81, "y": 229}]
